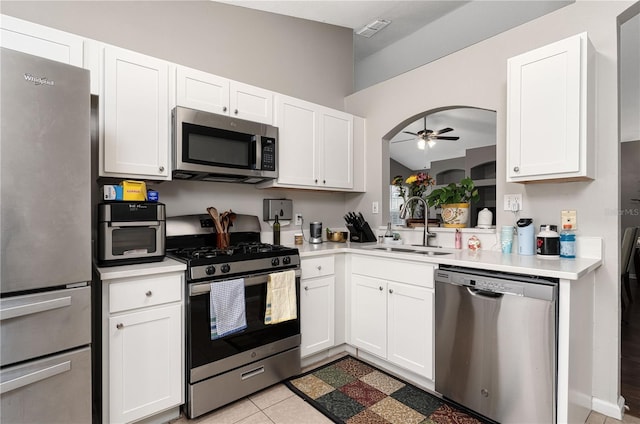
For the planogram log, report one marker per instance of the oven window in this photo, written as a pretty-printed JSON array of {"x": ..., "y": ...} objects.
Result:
[
  {"x": 133, "y": 239},
  {"x": 203, "y": 350},
  {"x": 211, "y": 146}
]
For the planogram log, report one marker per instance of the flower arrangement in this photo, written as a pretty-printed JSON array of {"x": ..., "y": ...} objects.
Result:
[{"x": 415, "y": 185}]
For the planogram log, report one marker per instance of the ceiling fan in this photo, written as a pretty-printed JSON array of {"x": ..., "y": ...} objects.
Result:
[{"x": 427, "y": 136}]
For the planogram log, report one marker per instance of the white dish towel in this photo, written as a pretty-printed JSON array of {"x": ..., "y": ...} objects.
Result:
[
  {"x": 227, "y": 308},
  {"x": 281, "y": 297}
]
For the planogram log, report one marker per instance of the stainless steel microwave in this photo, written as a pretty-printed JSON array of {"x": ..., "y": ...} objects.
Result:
[{"x": 211, "y": 147}]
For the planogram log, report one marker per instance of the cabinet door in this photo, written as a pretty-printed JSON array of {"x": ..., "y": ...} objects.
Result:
[
  {"x": 202, "y": 91},
  {"x": 410, "y": 328},
  {"x": 136, "y": 115},
  {"x": 369, "y": 314},
  {"x": 145, "y": 362},
  {"x": 42, "y": 41},
  {"x": 318, "y": 316},
  {"x": 544, "y": 112},
  {"x": 335, "y": 150},
  {"x": 251, "y": 103},
  {"x": 297, "y": 124}
]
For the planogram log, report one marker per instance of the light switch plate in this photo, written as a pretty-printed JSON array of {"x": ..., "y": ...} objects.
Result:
[
  {"x": 374, "y": 207},
  {"x": 513, "y": 202}
]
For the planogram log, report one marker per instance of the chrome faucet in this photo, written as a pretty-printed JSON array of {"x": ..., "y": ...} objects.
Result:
[{"x": 426, "y": 234}]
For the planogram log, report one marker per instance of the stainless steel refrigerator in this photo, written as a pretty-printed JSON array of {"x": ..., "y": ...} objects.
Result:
[{"x": 45, "y": 218}]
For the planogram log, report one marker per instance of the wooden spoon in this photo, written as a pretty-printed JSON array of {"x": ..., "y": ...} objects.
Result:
[{"x": 216, "y": 218}]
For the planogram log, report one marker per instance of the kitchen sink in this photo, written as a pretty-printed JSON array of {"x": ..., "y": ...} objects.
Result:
[{"x": 428, "y": 251}]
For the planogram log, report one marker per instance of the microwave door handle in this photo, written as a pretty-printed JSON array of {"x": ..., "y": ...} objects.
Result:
[
  {"x": 135, "y": 224},
  {"x": 256, "y": 152}
]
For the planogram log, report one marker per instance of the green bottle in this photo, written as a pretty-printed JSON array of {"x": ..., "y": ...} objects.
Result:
[{"x": 276, "y": 231}]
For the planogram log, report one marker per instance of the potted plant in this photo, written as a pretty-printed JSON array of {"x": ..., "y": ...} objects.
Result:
[{"x": 454, "y": 199}]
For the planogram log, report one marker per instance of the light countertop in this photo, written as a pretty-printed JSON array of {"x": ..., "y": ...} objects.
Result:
[
  {"x": 125, "y": 271},
  {"x": 571, "y": 269}
]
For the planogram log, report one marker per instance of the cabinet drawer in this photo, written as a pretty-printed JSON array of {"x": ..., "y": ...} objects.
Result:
[
  {"x": 317, "y": 267},
  {"x": 416, "y": 273},
  {"x": 27, "y": 321},
  {"x": 145, "y": 291}
]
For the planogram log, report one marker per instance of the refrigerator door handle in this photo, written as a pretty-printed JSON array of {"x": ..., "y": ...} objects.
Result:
[
  {"x": 33, "y": 308},
  {"x": 34, "y": 377}
]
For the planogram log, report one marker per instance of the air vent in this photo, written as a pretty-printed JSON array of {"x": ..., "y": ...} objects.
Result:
[{"x": 372, "y": 28}]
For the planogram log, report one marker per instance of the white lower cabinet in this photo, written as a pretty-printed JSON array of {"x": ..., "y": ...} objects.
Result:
[
  {"x": 317, "y": 300},
  {"x": 392, "y": 311},
  {"x": 143, "y": 349}
]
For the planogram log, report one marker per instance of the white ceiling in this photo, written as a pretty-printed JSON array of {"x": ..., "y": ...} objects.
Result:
[{"x": 406, "y": 16}]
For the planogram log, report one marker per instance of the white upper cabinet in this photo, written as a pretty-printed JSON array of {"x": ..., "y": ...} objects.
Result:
[
  {"x": 316, "y": 146},
  {"x": 210, "y": 93},
  {"x": 135, "y": 117},
  {"x": 42, "y": 41},
  {"x": 549, "y": 113}
]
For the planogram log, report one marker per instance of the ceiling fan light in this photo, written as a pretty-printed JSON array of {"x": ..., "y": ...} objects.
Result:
[
  {"x": 421, "y": 144},
  {"x": 431, "y": 143}
]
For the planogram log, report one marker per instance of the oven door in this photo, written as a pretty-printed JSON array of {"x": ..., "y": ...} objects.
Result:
[
  {"x": 207, "y": 358},
  {"x": 131, "y": 242}
]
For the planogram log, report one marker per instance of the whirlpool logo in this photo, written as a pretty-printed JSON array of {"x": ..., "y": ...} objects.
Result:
[{"x": 39, "y": 80}]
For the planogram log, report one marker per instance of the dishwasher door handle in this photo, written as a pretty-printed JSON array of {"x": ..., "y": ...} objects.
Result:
[{"x": 484, "y": 293}]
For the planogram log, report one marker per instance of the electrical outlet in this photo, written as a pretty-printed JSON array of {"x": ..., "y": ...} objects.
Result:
[
  {"x": 298, "y": 220},
  {"x": 374, "y": 207},
  {"x": 513, "y": 202},
  {"x": 569, "y": 220}
]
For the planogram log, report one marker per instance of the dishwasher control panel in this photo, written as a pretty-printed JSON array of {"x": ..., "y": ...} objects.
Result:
[
  {"x": 485, "y": 284},
  {"x": 500, "y": 283}
]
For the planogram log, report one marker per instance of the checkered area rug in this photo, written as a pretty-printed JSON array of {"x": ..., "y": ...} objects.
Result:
[{"x": 352, "y": 392}]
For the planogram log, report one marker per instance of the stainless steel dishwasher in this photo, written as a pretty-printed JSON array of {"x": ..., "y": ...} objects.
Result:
[{"x": 496, "y": 343}]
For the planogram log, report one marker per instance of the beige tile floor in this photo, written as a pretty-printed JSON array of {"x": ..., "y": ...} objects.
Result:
[{"x": 279, "y": 405}]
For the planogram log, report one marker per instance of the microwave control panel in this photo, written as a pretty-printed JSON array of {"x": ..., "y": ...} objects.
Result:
[{"x": 268, "y": 154}]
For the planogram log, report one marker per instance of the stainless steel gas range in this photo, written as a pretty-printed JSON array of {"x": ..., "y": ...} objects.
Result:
[{"x": 227, "y": 368}]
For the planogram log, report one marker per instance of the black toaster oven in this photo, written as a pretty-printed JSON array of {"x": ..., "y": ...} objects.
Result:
[{"x": 130, "y": 232}]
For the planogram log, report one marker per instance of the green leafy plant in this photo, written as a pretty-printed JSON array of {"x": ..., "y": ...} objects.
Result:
[{"x": 462, "y": 192}]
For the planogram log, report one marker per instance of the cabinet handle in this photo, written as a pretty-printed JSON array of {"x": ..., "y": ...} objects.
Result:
[
  {"x": 316, "y": 181},
  {"x": 120, "y": 326},
  {"x": 161, "y": 169},
  {"x": 235, "y": 111},
  {"x": 149, "y": 293},
  {"x": 380, "y": 288},
  {"x": 324, "y": 181},
  {"x": 516, "y": 169},
  {"x": 319, "y": 267},
  {"x": 306, "y": 288},
  {"x": 390, "y": 290},
  {"x": 224, "y": 108}
]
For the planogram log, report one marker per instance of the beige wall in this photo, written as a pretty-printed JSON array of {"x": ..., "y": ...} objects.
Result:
[
  {"x": 476, "y": 76},
  {"x": 304, "y": 59}
]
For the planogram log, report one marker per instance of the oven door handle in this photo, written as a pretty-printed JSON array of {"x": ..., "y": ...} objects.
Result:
[
  {"x": 135, "y": 224},
  {"x": 252, "y": 280}
]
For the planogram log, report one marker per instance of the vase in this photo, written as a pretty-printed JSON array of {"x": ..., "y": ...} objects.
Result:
[{"x": 455, "y": 215}]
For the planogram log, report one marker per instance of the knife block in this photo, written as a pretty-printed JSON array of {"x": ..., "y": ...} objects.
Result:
[{"x": 364, "y": 236}]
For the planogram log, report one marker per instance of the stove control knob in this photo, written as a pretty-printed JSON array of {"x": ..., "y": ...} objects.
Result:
[
  {"x": 210, "y": 270},
  {"x": 286, "y": 260},
  {"x": 275, "y": 261},
  {"x": 225, "y": 268}
]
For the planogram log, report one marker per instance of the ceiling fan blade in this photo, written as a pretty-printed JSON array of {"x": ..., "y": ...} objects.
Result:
[
  {"x": 445, "y": 130},
  {"x": 437, "y": 137},
  {"x": 409, "y": 132},
  {"x": 402, "y": 141}
]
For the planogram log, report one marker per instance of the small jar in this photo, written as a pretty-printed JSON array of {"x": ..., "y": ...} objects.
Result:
[{"x": 567, "y": 244}]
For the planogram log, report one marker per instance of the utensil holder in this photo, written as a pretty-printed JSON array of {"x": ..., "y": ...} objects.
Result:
[{"x": 222, "y": 240}]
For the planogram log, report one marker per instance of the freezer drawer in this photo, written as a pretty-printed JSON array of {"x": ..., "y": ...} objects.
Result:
[
  {"x": 56, "y": 389},
  {"x": 44, "y": 323}
]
